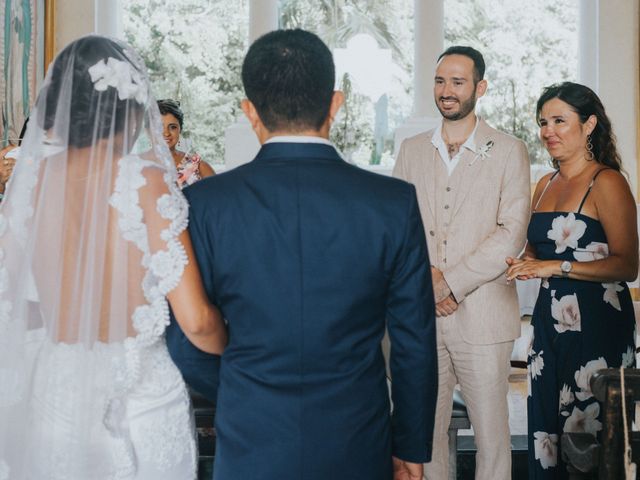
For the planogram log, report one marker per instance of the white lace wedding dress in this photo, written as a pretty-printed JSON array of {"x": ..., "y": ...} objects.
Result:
[
  {"x": 90, "y": 246},
  {"x": 159, "y": 443},
  {"x": 139, "y": 424}
]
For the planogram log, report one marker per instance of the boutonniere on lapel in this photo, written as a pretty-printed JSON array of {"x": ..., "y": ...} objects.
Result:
[{"x": 483, "y": 151}]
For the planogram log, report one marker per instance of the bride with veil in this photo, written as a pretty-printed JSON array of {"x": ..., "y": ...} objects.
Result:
[{"x": 92, "y": 243}]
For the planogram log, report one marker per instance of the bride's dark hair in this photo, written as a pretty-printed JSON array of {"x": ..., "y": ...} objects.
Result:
[{"x": 93, "y": 114}]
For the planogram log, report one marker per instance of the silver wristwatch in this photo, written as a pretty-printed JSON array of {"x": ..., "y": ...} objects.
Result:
[{"x": 565, "y": 268}]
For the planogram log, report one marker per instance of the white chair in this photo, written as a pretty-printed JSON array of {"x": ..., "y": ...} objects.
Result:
[
  {"x": 527, "y": 296},
  {"x": 522, "y": 345}
]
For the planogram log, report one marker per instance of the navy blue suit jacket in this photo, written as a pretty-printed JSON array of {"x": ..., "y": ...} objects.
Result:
[{"x": 309, "y": 258}]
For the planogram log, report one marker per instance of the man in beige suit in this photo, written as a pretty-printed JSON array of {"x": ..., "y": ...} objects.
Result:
[{"x": 473, "y": 190}]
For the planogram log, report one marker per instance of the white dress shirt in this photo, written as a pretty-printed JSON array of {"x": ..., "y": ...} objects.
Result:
[
  {"x": 441, "y": 146},
  {"x": 298, "y": 139}
]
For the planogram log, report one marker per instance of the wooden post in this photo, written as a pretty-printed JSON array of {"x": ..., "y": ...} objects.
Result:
[{"x": 605, "y": 385}]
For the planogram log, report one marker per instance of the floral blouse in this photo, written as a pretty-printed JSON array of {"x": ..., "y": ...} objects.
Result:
[{"x": 189, "y": 170}]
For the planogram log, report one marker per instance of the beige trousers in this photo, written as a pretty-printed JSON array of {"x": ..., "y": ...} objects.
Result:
[{"x": 482, "y": 372}]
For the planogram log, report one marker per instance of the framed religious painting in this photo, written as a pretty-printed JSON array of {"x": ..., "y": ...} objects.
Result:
[{"x": 26, "y": 48}]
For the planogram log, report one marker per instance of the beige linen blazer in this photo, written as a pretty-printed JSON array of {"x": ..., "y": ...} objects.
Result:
[{"x": 474, "y": 219}]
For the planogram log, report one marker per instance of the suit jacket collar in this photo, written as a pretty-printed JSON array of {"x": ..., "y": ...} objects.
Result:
[
  {"x": 469, "y": 144},
  {"x": 472, "y": 163},
  {"x": 484, "y": 134},
  {"x": 298, "y": 139},
  {"x": 468, "y": 167},
  {"x": 286, "y": 150}
]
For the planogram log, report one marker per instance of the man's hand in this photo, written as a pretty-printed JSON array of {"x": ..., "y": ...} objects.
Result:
[
  {"x": 406, "y": 471},
  {"x": 441, "y": 289},
  {"x": 446, "y": 306}
]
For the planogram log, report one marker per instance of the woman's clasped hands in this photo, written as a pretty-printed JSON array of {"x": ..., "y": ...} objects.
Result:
[{"x": 526, "y": 268}]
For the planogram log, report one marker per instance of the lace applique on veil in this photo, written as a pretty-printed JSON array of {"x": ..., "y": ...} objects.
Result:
[
  {"x": 11, "y": 380},
  {"x": 163, "y": 272}
]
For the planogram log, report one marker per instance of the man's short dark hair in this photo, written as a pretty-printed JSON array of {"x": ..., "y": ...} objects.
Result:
[
  {"x": 289, "y": 76},
  {"x": 473, "y": 54}
]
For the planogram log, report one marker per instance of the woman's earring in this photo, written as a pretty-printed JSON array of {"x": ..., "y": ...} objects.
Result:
[{"x": 590, "y": 155}]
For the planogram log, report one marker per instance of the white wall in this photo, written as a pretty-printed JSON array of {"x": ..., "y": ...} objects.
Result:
[
  {"x": 618, "y": 76},
  {"x": 74, "y": 18}
]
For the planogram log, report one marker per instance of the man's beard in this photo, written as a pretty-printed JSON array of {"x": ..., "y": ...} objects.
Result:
[{"x": 465, "y": 109}]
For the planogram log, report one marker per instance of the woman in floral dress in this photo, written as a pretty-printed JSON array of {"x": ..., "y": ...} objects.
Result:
[
  {"x": 189, "y": 165},
  {"x": 583, "y": 244}
]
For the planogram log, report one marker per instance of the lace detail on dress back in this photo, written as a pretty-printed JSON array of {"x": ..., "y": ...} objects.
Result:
[
  {"x": 125, "y": 200},
  {"x": 163, "y": 271}
]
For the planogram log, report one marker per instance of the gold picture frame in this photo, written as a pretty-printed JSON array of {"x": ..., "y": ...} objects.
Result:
[{"x": 49, "y": 32}]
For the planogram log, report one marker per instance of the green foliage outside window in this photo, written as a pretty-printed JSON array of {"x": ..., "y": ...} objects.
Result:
[
  {"x": 194, "y": 49},
  {"x": 526, "y": 46}
]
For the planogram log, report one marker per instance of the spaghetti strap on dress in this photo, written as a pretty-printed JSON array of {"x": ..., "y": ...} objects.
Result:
[{"x": 590, "y": 187}]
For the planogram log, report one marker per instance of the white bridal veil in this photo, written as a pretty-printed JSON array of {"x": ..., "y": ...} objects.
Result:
[{"x": 88, "y": 251}]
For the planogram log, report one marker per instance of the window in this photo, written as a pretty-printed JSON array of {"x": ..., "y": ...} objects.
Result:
[
  {"x": 526, "y": 46},
  {"x": 372, "y": 42},
  {"x": 193, "y": 50}
]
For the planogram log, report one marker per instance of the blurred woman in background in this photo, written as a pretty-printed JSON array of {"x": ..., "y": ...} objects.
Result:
[{"x": 190, "y": 166}]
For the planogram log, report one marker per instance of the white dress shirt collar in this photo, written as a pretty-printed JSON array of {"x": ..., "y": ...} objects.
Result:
[
  {"x": 441, "y": 146},
  {"x": 298, "y": 139}
]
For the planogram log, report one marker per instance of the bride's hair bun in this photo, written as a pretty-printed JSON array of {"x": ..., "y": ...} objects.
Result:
[{"x": 72, "y": 88}]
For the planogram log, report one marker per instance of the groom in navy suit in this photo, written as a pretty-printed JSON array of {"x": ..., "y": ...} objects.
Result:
[{"x": 309, "y": 259}]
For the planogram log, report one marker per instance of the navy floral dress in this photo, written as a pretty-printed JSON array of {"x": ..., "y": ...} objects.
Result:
[{"x": 579, "y": 327}]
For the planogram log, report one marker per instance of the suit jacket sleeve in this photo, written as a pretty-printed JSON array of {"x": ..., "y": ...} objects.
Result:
[
  {"x": 399, "y": 168},
  {"x": 413, "y": 359},
  {"x": 487, "y": 261},
  {"x": 199, "y": 369}
]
